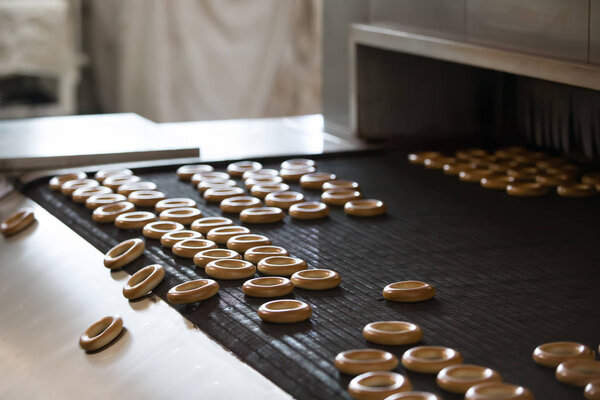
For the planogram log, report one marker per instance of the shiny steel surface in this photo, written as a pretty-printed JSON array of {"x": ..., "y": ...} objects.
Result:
[
  {"x": 595, "y": 31},
  {"x": 53, "y": 286}
]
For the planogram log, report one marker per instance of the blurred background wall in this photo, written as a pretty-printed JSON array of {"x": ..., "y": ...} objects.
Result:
[{"x": 173, "y": 60}]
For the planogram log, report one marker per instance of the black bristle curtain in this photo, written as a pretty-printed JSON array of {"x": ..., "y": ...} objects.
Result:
[{"x": 558, "y": 117}]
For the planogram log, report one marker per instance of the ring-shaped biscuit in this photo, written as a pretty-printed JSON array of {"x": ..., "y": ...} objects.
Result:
[
  {"x": 340, "y": 184},
  {"x": 339, "y": 197},
  {"x": 170, "y": 238},
  {"x": 497, "y": 182},
  {"x": 509, "y": 152},
  {"x": 550, "y": 162},
  {"x": 498, "y": 391},
  {"x": 284, "y": 311},
  {"x": 460, "y": 378},
  {"x": 129, "y": 188},
  {"x": 265, "y": 172},
  {"x": 185, "y": 172},
  {"x": 482, "y": 162},
  {"x": 408, "y": 291},
  {"x": 316, "y": 180},
  {"x": 392, "y": 333},
  {"x": 222, "y": 234},
  {"x": 365, "y": 207},
  {"x": 82, "y": 194},
  {"x": 359, "y": 361},
  {"x": 420, "y": 157},
  {"x": 500, "y": 167},
  {"x": 576, "y": 190},
  {"x": 475, "y": 175},
  {"x": 569, "y": 169},
  {"x": 553, "y": 353},
  {"x": 134, "y": 219},
  {"x": 281, "y": 265},
  {"x": 512, "y": 164},
  {"x": 262, "y": 180},
  {"x": 192, "y": 291},
  {"x": 116, "y": 181},
  {"x": 146, "y": 198},
  {"x": 261, "y": 191},
  {"x": 591, "y": 178},
  {"x": 124, "y": 253},
  {"x": 230, "y": 269},
  {"x": 266, "y": 287},
  {"x": 553, "y": 180},
  {"x": 110, "y": 212},
  {"x": 413, "y": 396},
  {"x": 57, "y": 181},
  {"x": 188, "y": 248},
  {"x": 283, "y": 200},
  {"x": 378, "y": 385},
  {"x": 297, "y": 163},
  {"x": 438, "y": 162},
  {"x": 592, "y": 390},
  {"x": 243, "y": 242},
  {"x": 101, "y": 333},
  {"x": 238, "y": 168},
  {"x": 202, "y": 258},
  {"x": 98, "y": 200},
  {"x": 255, "y": 254},
  {"x": 295, "y": 174},
  {"x": 156, "y": 230},
  {"x": 101, "y": 175},
  {"x": 531, "y": 157},
  {"x": 526, "y": 189},
  {"x": 174, "y": 203},
  {"x": 202, "y": 176},
  {"x": 316, "y": 279},
  {"x": 204, "y": 225},
  {"x": 430, "y": 359},
  {"x": 468, "y": 154},
  {"x": 262, "y": 215},
  {"x": 216, "y": 195},
  {"x": 456, "y": 168},
  {"x": 309, "y": 210},
  {"x": 17, "y": 221},
  {"x": 69, "y": 187},
  {"x": 215, "y": 183},
  {"x": 523, "y": 172},
  {"x": 578, "y": 372},
  {"x": 237, "y": 204},
  {"x": 183, "y": 215},
  {"x": 144, "y": 281}
]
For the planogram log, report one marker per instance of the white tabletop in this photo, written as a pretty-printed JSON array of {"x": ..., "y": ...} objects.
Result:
[
  {"x": 53, "y": 285},
  {"x": 59, "y": 142}
]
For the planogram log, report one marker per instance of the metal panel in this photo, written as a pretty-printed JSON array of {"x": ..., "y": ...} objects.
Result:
[
  {"x": 444, "y": 18},
  {"x": 63, "y": 142},
  {"x": 338, "y": 15},
  {"x": 595, "y": 31},
  {"x": 556, "y": 28},
  {"x": 53, "y": 286},
  {"x": 561, "y": 71}
]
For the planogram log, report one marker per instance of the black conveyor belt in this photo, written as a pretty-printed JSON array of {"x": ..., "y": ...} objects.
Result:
[{"x": 510, "y": 274}]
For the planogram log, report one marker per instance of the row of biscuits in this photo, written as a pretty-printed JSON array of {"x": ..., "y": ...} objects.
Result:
[{"x": 516, "y": 170}]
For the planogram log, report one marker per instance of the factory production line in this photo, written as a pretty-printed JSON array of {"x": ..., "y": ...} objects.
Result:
[
  {"x": 55, "y": 285},
  {"x": 503, "y": 284}
]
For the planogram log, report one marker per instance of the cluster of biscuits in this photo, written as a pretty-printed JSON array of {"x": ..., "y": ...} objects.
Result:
[
  {"x": 516, "y": 170},
  {"x": 115, "y": 195},
  {"x": 271, "y": 187},
  {"x": 574, "y": 364},
  {"x": 374, "y": 368}
]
